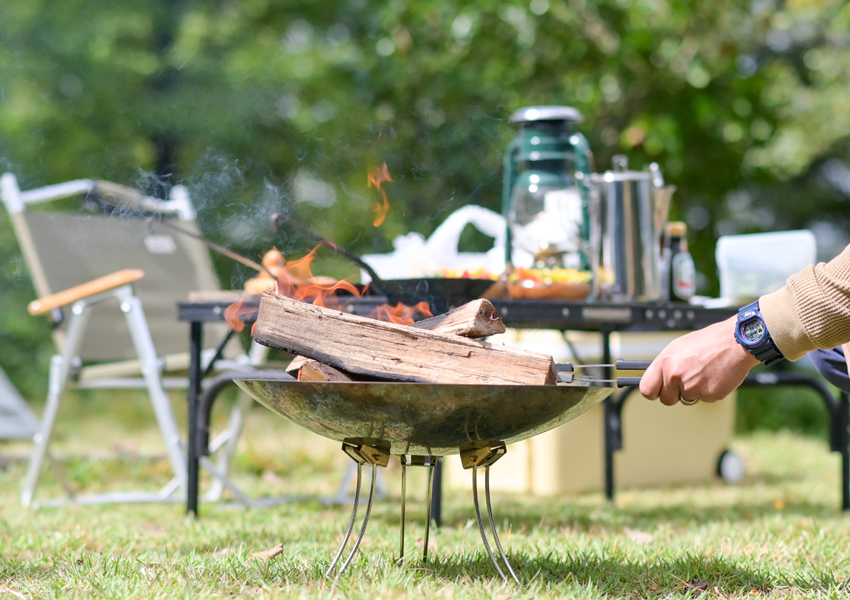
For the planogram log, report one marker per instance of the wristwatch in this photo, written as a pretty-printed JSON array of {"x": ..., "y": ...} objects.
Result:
[{"x": 751, "y": 332}]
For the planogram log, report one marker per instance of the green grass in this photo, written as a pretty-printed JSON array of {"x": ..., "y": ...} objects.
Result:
[{"x": 779, "y": 534}]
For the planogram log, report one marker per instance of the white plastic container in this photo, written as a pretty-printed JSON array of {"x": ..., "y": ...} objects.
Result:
[
  {"x": 414, "y": 256},
  {"x": 757, "y": 264}
]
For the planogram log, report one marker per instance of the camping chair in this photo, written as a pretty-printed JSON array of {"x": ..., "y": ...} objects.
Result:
[{"x": 110, "y": 278}]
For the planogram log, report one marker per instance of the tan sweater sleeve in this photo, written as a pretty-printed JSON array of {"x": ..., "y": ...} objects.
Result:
[{"x": 812, "y": 310}]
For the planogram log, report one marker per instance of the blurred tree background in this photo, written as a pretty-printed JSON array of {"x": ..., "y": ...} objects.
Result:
[{"x": 261, "y": 106}]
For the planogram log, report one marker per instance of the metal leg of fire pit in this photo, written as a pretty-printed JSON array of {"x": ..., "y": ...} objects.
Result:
[
  {"x": 481, "y": 524},
  {"x": 365, "y": 523},
  {"x": 493, "y": 522},
  {"x": 403, "y": 502},
  {"x": 428, "y": 514},
  {"x": 350, "y": 523},
  {"x": 361, "y": 454},
  {"x": 485, "y": 457},
  {"x": 418, "y": 461}
]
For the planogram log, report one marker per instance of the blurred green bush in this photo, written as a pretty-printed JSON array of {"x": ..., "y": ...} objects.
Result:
[{"x": 789, "y": 409}]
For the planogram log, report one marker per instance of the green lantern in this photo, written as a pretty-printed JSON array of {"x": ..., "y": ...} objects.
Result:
[{"x": 546, "y": 192}]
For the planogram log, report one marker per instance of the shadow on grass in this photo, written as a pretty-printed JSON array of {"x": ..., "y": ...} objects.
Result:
[
  {"x": 524, "y": 516},
  {"x": 588, "y": 573},
  {"x": 619, "y": 577}
]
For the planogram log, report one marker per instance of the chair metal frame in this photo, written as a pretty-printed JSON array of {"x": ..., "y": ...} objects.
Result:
[
  {"x": 65, "y": 369},
  {"x": 61, "y": 366}
]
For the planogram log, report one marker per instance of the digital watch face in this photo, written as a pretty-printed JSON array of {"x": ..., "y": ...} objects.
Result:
[{"x": 752, "y": 331}]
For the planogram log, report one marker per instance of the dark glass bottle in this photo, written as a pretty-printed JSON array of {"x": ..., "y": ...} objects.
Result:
[{"x": 678, "y": 264}]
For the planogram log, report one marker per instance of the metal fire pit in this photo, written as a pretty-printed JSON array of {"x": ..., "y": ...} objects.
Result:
[{"x": 420, "y": 422}]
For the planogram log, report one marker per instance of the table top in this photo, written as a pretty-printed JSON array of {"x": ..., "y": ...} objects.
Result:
[
  {"x": 528, "y": 314},
  {"x": 612, "y": 316}
]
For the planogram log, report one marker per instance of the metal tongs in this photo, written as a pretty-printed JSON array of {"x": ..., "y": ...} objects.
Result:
[{"x": 566, "y": 372}]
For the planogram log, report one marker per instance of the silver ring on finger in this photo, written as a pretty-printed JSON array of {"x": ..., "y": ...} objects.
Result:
[{"x": 688, "y": 402}]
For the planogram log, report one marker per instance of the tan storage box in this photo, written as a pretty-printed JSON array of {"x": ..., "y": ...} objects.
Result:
[{"x": 661, "y": 445}]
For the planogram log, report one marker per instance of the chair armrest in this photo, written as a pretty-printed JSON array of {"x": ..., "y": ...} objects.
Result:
[{"x": 96, "y": 286}]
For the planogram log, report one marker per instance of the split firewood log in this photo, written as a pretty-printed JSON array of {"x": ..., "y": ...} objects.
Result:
[{"x": 365, "y": 346}]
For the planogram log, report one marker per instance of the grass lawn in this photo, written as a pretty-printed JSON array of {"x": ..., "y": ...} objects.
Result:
[{"x": 779, "y": 534}]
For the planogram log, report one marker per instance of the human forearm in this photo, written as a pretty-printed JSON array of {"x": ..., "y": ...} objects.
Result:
[{"x": 813, "y": 310}]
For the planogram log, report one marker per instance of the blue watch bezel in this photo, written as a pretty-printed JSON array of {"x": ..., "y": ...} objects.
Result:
[{"x": 763, "y": 349}]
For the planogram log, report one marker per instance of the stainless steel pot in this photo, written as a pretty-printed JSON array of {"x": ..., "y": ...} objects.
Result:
[{"x": 628, "y": 211}]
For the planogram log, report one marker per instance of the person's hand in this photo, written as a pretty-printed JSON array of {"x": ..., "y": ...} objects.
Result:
[{"x": 706, "y": 365}]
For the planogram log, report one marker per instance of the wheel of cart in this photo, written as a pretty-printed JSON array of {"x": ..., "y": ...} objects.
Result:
[{"x": 730, "y": 467}]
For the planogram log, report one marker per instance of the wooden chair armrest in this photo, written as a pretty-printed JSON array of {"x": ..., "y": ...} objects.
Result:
[{"x": 96, "y": 286}]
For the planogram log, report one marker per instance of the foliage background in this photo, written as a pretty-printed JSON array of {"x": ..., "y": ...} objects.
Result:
[{"x": 267, "y": 105}]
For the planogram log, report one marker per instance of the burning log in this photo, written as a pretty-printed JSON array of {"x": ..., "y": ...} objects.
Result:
[
  {"x": 475, "y": 319},
  {"x": 364, "y": 346}
]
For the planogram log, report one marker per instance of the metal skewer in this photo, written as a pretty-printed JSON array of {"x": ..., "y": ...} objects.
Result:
[
  {"x": 620, "y": 381},
  {"x": 620, "y": 365},
  {"x": 217, "y": 247},
  {"x": 278, "y": 219}
]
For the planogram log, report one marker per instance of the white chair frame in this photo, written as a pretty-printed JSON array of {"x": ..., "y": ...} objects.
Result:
[{"x": 63, "y": 365}]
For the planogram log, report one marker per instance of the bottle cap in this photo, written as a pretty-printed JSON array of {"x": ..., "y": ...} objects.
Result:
[{"x": 676, "y": 229}]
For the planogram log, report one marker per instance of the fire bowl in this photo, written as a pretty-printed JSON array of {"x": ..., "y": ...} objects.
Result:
[{"x": 423, "y": 419}]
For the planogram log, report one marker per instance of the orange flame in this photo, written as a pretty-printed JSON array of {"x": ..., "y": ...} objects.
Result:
[
  {"x": 377, "y": 176},
  {"x": 300, "y": 267},
  {"x": 295, "y": 279},
  {"x": 235, "y": 314},
  {"x": 402, "y": 314}
]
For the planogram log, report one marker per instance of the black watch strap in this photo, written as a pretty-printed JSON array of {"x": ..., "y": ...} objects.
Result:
[{"x": 767, "y": 353}]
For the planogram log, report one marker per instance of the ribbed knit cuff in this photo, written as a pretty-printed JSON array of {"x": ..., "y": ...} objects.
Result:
[{"x": 785, "y": 327}]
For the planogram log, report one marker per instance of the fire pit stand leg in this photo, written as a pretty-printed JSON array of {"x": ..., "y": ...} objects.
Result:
[
  {"x": 365, "y": 522},
  {"x": 481, "y": 524},
  {"x": 493, "y": 523},
  {"x": 403, "y": 500},
  {"x": 428, "y": 511},
  {"x": 485, "y": 457},
  {"x": 361, "y": 454},
  {"x": 418, "y": 461},
  {"x": 350, "y": 523}
]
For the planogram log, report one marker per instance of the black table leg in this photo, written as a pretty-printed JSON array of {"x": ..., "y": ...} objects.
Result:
[
  {"x": 844, "y": 441},
  {"x": 437, "y": 494},
  {"x": 192, "y": 396},
  {"x": 609, "y": 416}
]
